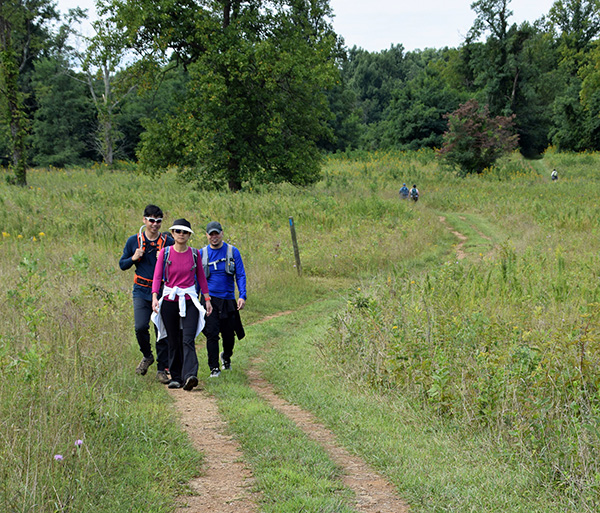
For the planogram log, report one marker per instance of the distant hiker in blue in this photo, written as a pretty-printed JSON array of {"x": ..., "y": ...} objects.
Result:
[
  {"x": 404, "y": 191},
  {"x": 224, "y": 270},
  {"x": 140, "y": 251}
]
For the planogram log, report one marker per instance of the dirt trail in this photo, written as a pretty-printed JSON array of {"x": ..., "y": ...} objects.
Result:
[
  {"x": 225, "y": 486},
  {"x": 226, "y": 483},
  {"x": 374, "y": 494},
  {"x": 460, "y": 254}
]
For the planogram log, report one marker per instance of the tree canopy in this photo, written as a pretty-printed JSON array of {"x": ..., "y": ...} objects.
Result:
[{"x": 235, "y": 92}]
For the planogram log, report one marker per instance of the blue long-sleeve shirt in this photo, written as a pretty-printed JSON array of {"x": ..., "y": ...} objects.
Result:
[
  {"x": 221, "y": 284},
  {"x": 144, "y": 267}
]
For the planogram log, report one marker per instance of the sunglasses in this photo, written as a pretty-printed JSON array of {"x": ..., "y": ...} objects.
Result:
[
  {"x": 178, "y": 231},
  {"x": 152, "y": 220}
]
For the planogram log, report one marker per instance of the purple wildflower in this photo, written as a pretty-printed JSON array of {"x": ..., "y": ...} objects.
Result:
[
  {"x": 58, "y": 457},
  {"x": 78, "y": 443}
]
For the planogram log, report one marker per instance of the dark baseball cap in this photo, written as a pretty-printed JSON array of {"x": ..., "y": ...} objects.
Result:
[{"x": 213, "y": 226}]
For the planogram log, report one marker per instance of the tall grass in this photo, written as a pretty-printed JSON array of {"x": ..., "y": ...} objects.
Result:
[
  {"x": 67, "y": 345},
  {"x": 506, "y": 342},
  {"x": 482, "y": 343}
]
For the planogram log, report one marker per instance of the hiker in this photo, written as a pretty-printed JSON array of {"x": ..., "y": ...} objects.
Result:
[
  {"x": 403, "y": 192},
  {"x": 178, "y": 314},
  {"x": 141, "y": 250},
  {"x": 224, "y": 270},
  {"x": 414, "y": 193},
  {"x": 554, "y": 175}
]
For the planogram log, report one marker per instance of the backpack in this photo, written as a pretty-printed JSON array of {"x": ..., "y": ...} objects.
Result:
[
  {"x": 167, "y": 263},
  {"x": 229, "y": 261},
  {"x": 160, "y": 242},
  {"x": 414, "y": 193}
]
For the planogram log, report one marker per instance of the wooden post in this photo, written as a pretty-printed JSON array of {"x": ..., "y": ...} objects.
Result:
[{"x": 295, "y": 244}]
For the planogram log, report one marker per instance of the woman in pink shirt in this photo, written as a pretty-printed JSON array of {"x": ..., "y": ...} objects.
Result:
[{"x": 178, "y": 314}]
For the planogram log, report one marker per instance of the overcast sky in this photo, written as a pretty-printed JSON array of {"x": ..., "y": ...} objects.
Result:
[{"x": 416, "y": 24}]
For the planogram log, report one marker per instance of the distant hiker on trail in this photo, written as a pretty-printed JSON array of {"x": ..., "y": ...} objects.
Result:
[
  {"x": 404, "y": 192},
  {"x": 178, "y": 314},
  {"x": 224, "y": 270},
  {"x": 414, "y": 193},
  {"x": 141, "y": 250},
  {"x": 554, "y": 175}
]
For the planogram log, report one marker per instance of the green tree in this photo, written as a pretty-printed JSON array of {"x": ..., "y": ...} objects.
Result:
[
  {"x": 25, "y": 32},
  {"x": 255, "y": 103},
  {"x": 414, "y": 117},
  {"x": 373, "y": 77},
  {"x": 578, "y": 22},
  {"x": 64, "y": 121},
  {"x": 475, "y": 140},
  {"x": 575, "y": 109},
  {"x": 110, "y": 82}
]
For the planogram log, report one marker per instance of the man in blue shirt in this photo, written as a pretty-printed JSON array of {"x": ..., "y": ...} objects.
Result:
[
  {"x": 404, "y": 191},
  {"x": 141, "y": 250},
  {"x": 224, "y": 270}
]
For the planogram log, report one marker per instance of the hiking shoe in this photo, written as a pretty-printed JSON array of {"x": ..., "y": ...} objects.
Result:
[
  {"x": 174, "y": 384},
  {"x": 163, "y": 377},
  {"x": 190, "y": 383},
  {"x": 225, "y": 364},
  {"x": 142, "y": 367},
  {"x": 215, "y": 373}
]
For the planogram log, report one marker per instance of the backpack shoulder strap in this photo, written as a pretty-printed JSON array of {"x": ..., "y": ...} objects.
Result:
[
  {"x": 230, "y": 261},
  {"x": 162, "y": 240},
  {"x": 166, "y": 264},
  {"x": 195, "y": 255},
  {"x": 205, "y": 261}
]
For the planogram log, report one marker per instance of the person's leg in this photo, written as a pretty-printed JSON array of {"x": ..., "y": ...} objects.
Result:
[
  {"x": 170, "y": 315},
  {"x": 211, "y": 331},
  {"x": 190, "y": 358},
  {"x": 142, "y": 310},
  {"x": 228, "y": 334},
  {"x": 162, "y": 352}
]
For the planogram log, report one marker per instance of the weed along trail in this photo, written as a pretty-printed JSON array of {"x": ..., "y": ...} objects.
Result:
[
  {"x": 373, "y": 493},
  {"x": 225, "y": 485}
]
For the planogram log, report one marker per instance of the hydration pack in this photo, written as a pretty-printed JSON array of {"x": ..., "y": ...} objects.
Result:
[
  {"x": 159, "y": 244},
  {"x": 229, "y": 261}
]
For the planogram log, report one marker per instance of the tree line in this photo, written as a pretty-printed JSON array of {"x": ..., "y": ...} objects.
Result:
[{"x": 239, "y": 91}]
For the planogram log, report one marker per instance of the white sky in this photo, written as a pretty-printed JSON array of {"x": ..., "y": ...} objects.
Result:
[{"x": 416, "y": 24}]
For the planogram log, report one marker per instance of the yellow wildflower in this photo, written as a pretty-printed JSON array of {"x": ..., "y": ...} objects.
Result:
[{"x": 5, "y": 235}]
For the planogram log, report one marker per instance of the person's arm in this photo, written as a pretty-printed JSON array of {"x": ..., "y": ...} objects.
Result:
[
  {"x": 240, "y": 279},
  {"x": 129, "y": 250},
  {"x": 201, "y": 277},
  {"x": 158, "y": 272}
]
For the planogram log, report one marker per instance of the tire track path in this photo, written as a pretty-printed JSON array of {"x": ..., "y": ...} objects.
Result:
[
  {"x": 226, "y": 483},
  {"x": 374, "y": 493}
]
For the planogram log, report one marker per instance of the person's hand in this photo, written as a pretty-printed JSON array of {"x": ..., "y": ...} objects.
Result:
[
  {"x": 241, "y": 303},
  {"x": 155, "y": 304},
  {"x": 139, "y": 253},
  {"x": 208, "y": 308}
]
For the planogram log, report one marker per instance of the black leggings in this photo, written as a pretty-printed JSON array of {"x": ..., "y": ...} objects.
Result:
[{"x": 181, "y": 333}]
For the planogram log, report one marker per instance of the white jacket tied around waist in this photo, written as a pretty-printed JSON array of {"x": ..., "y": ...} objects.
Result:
[{"x": 170, "y": 293}]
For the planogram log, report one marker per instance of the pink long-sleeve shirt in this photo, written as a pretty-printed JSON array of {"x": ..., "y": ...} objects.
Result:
[{"x": 180, "y": 271}]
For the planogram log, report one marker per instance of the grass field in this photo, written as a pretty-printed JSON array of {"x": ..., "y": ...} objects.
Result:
[{"x": 472, "y": 384}]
